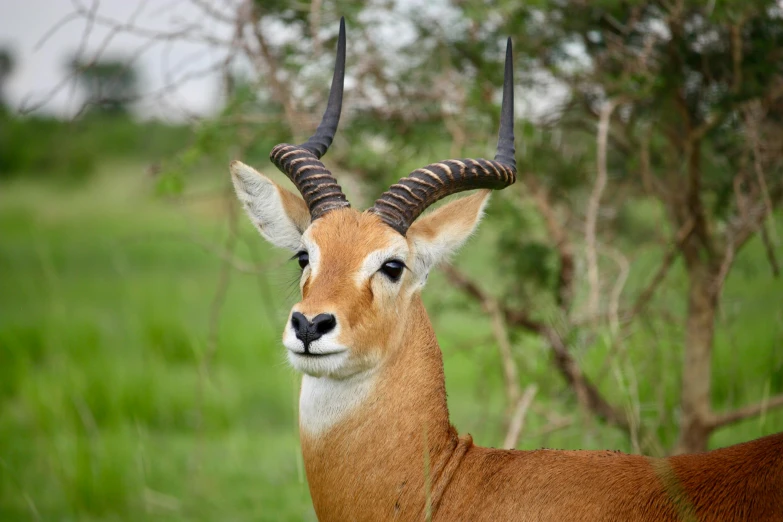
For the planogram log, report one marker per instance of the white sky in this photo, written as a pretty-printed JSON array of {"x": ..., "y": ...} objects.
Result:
[
  {"x": 40, "y": 79},
  {"x": 39, "y": 70}
]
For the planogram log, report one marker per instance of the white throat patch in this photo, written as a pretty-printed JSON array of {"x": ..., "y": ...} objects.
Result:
[{"x": 324, "y": 402}]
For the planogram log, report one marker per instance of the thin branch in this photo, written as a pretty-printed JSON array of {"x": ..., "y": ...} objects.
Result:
[
  {"x": 644, "y": 161},
  {"x": 150, "y": 37},
  {"x": 281, "y": 92},
  {"x": 213, "y": 337},
  {"x": 226, "y": 255},
  {"x": 56, "y": 27},
  {"x": 460, "y": 281},
  {"x": 724, "y": 419},
  {"x": 518, "y": 419},
  {"x": 515, "y": 318},
  {"x": 315, "y": 25},
  {"x": 725, "y": 267},
  {"x": 565, "y": 251},
  {"x": 753, "y": 115},
  {"x": 736, "y": 56},
  {"x": 224, "y": 278},
  {"x": 587, "y": 393},
  {"x": 500, "y": 332},
  {"x": 709, "y": 124},
  {"x": 668, "y": 260},
  {"x": 617, "y": 288},
  {"x": 551, "y": 416},
  {"x": 617, "y": 344},
  {"x": 652, "y": 185},
  {"x": 552, "y": 427},
  {"x": 213, "y": 13},
  {"x": 594, "y": 203},
  {"x": 742, "y": 231},
  {"x": 739, "y": 197},
  {"x": 770, "y": 250}
]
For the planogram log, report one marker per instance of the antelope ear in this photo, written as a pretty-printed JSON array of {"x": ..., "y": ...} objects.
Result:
[
  {"x": 439, "y": 234},
  {"x": 279, "y": 215}
]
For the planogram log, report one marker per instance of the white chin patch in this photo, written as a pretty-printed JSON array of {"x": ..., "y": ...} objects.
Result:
[{"x": 324, "y": 357}]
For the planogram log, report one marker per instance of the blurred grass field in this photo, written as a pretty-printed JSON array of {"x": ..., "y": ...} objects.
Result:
[{"x": 131, "y": 388}]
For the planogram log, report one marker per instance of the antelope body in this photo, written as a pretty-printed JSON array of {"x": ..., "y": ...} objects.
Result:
[{"x": 374, "y": 424}]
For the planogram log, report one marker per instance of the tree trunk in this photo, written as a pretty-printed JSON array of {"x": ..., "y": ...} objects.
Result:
[{"x": 697, "y": 368}]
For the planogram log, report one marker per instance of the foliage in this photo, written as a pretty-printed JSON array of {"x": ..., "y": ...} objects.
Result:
[
  {"x": 69, "y": 151},
  {"x": 7, "y": 65},
  {"x": 111, "y": 85}
]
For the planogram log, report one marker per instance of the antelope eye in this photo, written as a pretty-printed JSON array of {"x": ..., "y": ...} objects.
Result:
[
  {"x": 303, "y": 258},
  {"x": 393, "y": 269}
]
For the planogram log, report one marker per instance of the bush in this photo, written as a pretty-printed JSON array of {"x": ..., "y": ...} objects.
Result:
[{"x": 69, "y": 151}]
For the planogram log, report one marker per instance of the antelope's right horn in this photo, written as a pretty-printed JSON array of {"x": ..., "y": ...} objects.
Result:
[
  {"x": 399, "y": 206},
  {"x": 301, "y": 163}
]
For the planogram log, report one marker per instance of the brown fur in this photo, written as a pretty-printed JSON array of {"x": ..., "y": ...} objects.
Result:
[
  {"x": 345, "y": 237},
  {"x": 373, "y": 465},
  {"x": 396, "y": 456}
]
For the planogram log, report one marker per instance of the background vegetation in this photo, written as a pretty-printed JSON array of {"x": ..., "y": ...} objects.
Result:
[{"x": 624, "y": 294}]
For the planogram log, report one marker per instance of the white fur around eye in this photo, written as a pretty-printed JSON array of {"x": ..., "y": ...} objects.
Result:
[
  {"x": 314, "y": 254},
  {"x": 375, "y": 259}
]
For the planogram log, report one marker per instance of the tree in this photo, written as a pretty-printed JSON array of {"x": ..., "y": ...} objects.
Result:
[
  {"x": 685, "y": 99},
  {"x": 111, "y": 85},
  {"x": 675, "y": 102},
  {"x": 7, "y": 65}
]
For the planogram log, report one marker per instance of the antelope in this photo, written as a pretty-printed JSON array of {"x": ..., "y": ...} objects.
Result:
[{"x": 374, "y": 424}]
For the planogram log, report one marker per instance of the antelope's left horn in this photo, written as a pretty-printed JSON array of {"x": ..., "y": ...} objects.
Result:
[
  {"x": 301, "y": 163},
  {"x": 399, "y": 206}
]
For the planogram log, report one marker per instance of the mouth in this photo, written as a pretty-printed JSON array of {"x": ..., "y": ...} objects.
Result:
[{"x": 312, "y": 355}]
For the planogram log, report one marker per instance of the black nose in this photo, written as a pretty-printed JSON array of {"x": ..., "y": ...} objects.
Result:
[{"x": 308, "y": 331}]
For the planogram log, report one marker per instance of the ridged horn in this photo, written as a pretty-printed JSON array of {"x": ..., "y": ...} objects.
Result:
[
  {"x": 301, "y": 163},
  {"x": 399, "y": 206}
]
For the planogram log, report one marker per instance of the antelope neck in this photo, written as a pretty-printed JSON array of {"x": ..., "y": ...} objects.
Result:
[{"x": 379, "y": 438}]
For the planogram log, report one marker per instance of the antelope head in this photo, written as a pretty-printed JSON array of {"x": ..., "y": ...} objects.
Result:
[{"x": 362, "y": 271}]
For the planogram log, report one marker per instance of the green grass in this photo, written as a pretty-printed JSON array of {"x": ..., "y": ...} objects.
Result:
[
  {"x": 124, "y": 395},
  {"x": 109, "y": 408}
]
